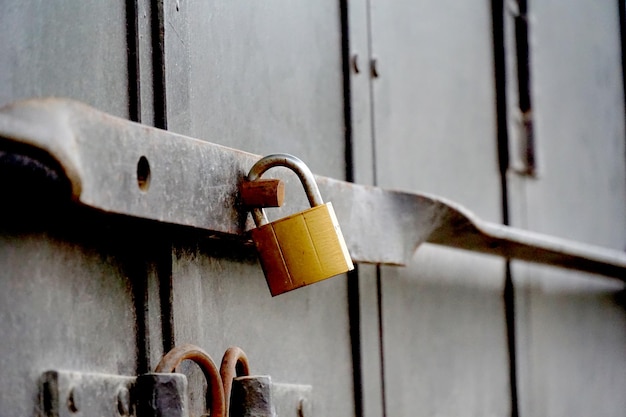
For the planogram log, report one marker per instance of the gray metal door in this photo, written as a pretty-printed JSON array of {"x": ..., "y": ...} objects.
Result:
[
  {"x": 444, "y": 345},
  {"x": 570, "y": 330},
  {"x": 419, "y": 96}
]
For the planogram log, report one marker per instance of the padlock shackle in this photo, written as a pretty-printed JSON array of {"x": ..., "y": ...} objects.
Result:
[{"x": 296, "y": 165}]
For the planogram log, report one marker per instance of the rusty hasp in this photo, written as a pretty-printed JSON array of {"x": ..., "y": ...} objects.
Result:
[{"x": 118, "y": 166}]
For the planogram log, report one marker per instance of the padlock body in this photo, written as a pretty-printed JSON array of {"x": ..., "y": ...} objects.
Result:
[{"x": 302, "y": 249}]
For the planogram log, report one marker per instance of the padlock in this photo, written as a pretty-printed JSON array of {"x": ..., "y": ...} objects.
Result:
[{"x": 305, "y": 247}]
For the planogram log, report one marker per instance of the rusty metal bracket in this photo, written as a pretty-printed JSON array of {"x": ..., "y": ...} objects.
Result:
[{"x": 122, "y": 167}]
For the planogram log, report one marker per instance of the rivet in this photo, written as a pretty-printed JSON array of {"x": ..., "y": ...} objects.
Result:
[
  {"x": 304, "y": 408},
  {"x": 123, "y": 401},
  {"x": 374, "y": 67},
  {"x": 355, "y": 63},
  {"x": 73, "y": 400}
]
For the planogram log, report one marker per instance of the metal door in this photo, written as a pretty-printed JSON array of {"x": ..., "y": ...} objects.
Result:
[
  {"x": 444, "y": 346},
  {"x": 419, "y": 96},
  {"x": 570, "y": 329}
]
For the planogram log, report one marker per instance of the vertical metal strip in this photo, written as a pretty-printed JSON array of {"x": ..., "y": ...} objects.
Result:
[
  {"x": 379, "y": 288},
  {"x": 509, "y": 311},
  {"x": 347, "y": 105},
  {"x": 522, "y": 31},
  {"x": 136, "y": 267},
  {"x": 501, "y": 106},
  {"x": 500, "y": 75},
  {"x": 158, "y": 63},
  {"x": 132, "y": 40},
  {"x": 379, "y": 297},
  {"x": 354, "y": 302},
  {"x": 370, "y": 43},
  {"x": 166, "y": 292},
  {"x": 134, "y": 262},
  {"x": 621, "y": 4},
  {"x": 164, "y": 247},
  {"x": 523, "y": 56}
]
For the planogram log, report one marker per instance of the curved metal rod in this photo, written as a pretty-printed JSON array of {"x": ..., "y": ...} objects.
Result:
[
  {"x": 296, "y": 165},
  {"x": 234, "y": 363},
  {"x": 174, "y": 357}
]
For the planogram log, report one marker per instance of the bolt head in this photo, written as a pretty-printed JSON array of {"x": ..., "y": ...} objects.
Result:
[{"x": 304, "y": 408}]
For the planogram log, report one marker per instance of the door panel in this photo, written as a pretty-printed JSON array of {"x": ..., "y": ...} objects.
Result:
[
  {"x": 444, "y": 332},
  {"x": 264, "y": 78},
  {"x": 67, "y": 299},
  {"x": 66, "y": 49},
  {"x": 66, "y": 303},
  {"x": 571, "y": 329},
  {"x": 261, "y": 77},
  {"x": 298, "y": 337}
]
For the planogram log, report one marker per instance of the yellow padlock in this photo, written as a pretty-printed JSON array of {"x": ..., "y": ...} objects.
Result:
[{"x": 305, "y": 247}]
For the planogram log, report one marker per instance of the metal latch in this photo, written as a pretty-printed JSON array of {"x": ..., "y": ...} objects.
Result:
[
  {"x": 122, "y": 167},
  {"x": 164, "y": 394}
]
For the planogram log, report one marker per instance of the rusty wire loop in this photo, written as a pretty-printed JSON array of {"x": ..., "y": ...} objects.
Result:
[
  {"x": 174, "y": 357},
  {"x": 234, "y": 363}
]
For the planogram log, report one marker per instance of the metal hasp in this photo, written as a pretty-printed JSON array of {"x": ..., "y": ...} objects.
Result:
[{"x": 123, "y": 167}]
